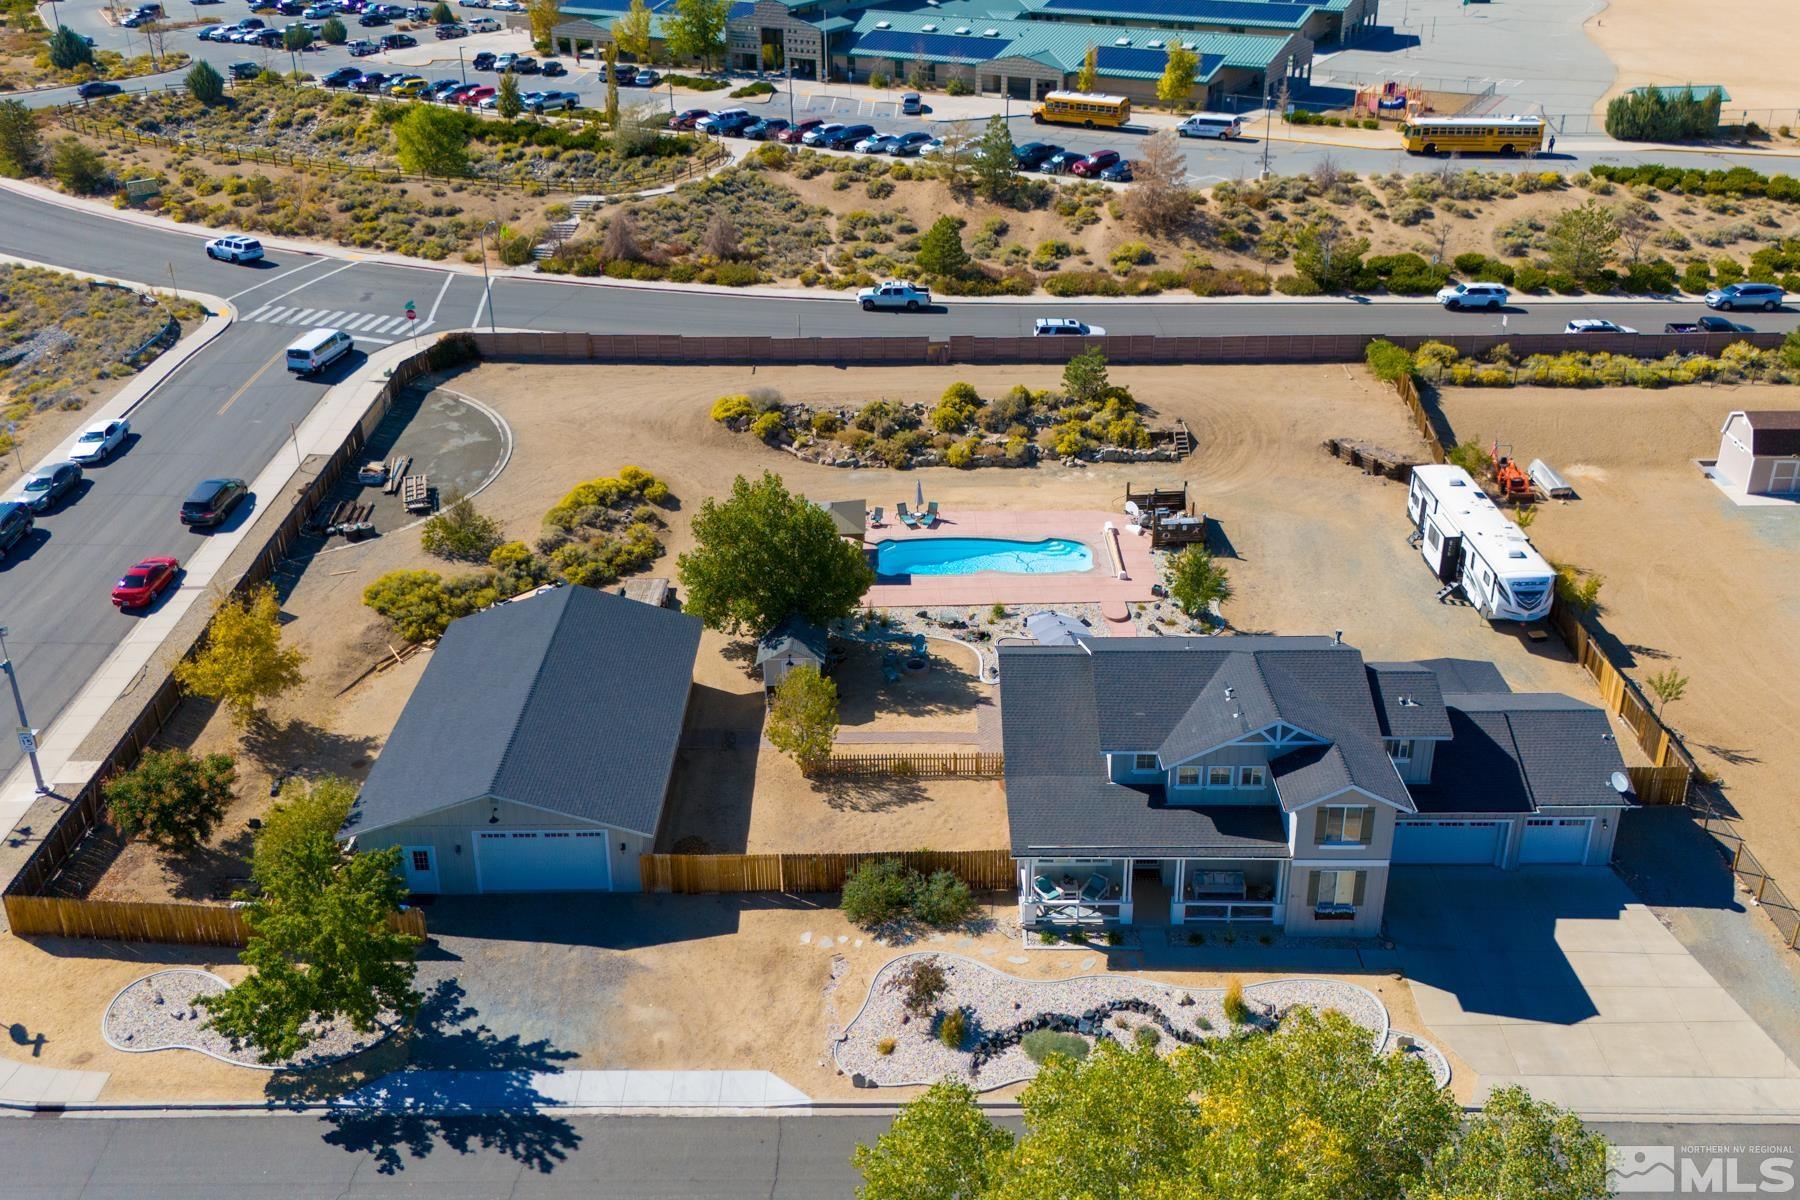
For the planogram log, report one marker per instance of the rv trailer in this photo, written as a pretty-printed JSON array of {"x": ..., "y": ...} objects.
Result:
[{"x": 1474, "y": 549}]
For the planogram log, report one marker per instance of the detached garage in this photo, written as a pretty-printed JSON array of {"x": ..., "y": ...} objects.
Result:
[{"x": 535, "y": 753}]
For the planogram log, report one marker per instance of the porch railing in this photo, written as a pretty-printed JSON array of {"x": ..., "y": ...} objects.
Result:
[
  {"x": 1071, "y": 912},
  {"x": 1226, "y": 910}
]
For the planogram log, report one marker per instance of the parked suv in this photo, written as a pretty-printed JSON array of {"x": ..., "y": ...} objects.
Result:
[
  {"x": 1474, "y": 295},
  {"x": 846, "y": 137},
  {"x": 1766, "y": 296},
  {"x": 212, "y": 501},
  {"x": 15, "y": 524}
]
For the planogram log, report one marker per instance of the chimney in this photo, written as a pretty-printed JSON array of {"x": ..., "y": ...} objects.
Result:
[{"x": 1337, "y": 637}]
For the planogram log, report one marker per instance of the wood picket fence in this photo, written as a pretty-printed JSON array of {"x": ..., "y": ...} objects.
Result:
[
  {"x": 142, "y": 921},
  {"x": 797, "y": 874},
  {"x": 967, "y": 764}
]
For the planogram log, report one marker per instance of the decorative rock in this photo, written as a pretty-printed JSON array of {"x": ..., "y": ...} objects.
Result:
[
  {"x": 160, "y": 1012},
  {"x": 806, "y": 938}
]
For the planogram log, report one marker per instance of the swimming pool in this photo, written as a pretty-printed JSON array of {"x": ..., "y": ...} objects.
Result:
[{"x": 967, "y": 555}]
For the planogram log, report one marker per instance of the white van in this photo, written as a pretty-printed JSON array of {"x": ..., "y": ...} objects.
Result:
[
  {"x": 317, "y": 350},
  {"x": 1211, "y": 125}
]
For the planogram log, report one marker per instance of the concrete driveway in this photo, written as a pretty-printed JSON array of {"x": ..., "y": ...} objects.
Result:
[{"x": 1559, "y": 980}]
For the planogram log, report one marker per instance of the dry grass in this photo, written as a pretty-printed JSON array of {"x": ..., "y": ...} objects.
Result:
[{"x": 1748, "y": 46}]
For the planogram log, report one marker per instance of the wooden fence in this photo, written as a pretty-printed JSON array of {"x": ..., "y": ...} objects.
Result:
[
  {"x": 1409, "y": 396},
  {"x": 967, "y": 764},
  {"x": 795, "y": 874},
  {"x": 1621, "y": 696},
  {"x": 132, "y": 921}
]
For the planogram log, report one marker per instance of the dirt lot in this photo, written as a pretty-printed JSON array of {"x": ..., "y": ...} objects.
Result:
[
  {"x": 1693, "y": 582},
  {"x": 1747, "y": 46}
]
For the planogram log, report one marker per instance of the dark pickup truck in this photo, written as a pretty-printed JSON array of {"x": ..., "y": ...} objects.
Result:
[{"x": 1706, "y": 325}]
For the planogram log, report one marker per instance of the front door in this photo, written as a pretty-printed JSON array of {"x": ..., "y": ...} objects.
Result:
[{"x": 420, "y": 864}]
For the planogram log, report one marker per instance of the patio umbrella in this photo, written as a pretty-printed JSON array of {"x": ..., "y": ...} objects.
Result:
[{"x": 919, "y": 492}]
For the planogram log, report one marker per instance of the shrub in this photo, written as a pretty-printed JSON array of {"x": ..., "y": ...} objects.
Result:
[
  {"x": 514, "y": 250},
  {"x": 171, "y": 799},
  {"x": 920, "y": 982},
  {"x": 1472, "y": 457},
  {"x": 878, "y": 892},
  {"x": 884, "y": 1047},
  {"x": 960, "y": 455},
  {"x": 1528, "y": 278},
  {"x": 952, "y": 1027},
  {"x": 732, "y": 408},
  {"x": 1387, "y": 361},
  {"x": 768, "y": 426},
  {"x": 1041, "y": 1045},
  {"x": 78, "y": 167},
  {"x": 1129, "y": 255},
  {"x": 416, "y": 603},
  {"x": 1236, "y": 1010},
  {"x": 943, "y": 899},
  {"x": 1147, "y": 1037},
  {"x": 760, "y": 88},
  {"x": 205, "y": 83},
  {"x": 956, "y": 87},
  {"x": 461, "y": 533}
]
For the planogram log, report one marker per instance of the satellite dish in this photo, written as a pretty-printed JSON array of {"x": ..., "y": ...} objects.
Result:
[{"x": 1621, "y": 783}]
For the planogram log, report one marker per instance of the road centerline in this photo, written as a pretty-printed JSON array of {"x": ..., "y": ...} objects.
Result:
[{"x": 250, "y": 382}]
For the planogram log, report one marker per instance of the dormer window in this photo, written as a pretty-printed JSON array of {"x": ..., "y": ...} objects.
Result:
[
  {"x": 1399, "y": 751},
  {"x": 1143, "y": 762}
]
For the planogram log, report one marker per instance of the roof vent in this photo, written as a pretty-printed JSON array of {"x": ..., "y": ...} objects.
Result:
[
  {"x": 928, "y": 29},
  {"x": 1154, "y": 44},
  {"x": 1190, "y": 45},
  {"x": 1229, "y": 692},
  {"x": 1408, "y": 702},
  {"x": 884, "y": 25},
  {"x": 990, "y": 33},
  {"x": 1337, "y": 637},
  {"x": 962, "y": 29},
  {"x": 1124, "y": 41}
]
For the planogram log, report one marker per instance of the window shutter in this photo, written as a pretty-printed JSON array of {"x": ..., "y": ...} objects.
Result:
[
  {"x": 1367, "y": 829},
  {"x": 1312, "y": 888},
  {"x": 1362, "y": 885},
  {"x": 1319, "y": 825}
]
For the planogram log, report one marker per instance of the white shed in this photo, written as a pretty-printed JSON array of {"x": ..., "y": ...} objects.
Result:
[{"x": 1759, "y": 453}]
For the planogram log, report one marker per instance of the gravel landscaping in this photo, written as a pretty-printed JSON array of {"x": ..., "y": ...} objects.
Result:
[
  {"x": 993, "y": 1003},
  {"x": 161, "y": 1012}
]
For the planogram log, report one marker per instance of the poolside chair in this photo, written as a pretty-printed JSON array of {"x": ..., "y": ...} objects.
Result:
[
  {"x": 1095, "y": 889},
  {"x": 930, "y": 516},
  {"x": 1043, "y": 889},
  {"x": 877, "y": 518},
  {"x": 907, "y": 519}
]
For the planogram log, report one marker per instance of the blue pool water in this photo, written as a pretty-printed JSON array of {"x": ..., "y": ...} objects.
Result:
[{"x": 965, "y": 556}]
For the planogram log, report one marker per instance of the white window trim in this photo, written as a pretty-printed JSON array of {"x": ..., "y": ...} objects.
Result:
[
  {"x": 1180, "y": 771},
  {"x": 1230, "y": 777},
  {"x": 1334, "y": 905},
  {"x": 1137, "y": 762},
  {"x": 1402, "y": 751}
]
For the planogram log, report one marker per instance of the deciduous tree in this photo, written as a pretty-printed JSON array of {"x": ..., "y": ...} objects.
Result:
[
  {"x": 323, "y": 946},
  {"x": 696, "y": 30},
  {"x": 803, "y": 718},
  {"x": 765, "y": 553},
  {"x": 243, "y": 664},
  {"x": 620, "y": 243},
  {"x": 631, "y": 32},
  {"x": 1667, "y": 686},
  {"x": 610, "y": 60},
  {"x": 545, "y": 16},
  {"x": 939, "y": 1147},
  {"x": 171, "y": 799},
  {"x": 720, "y": 240},
  {"x": 1196, "y": 581},
  {"x": 21, "y": 149},
  {"x": 1159, "y": 200},
  {"x": 434, "y": 140},
  {"x": 1177, "y": 82},
  {"x": 1090, "y": 70},
  {"x": 1518, "y": 1148}
]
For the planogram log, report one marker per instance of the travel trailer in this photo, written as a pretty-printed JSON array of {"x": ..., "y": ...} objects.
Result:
[{"x": 1474, "y": 549}]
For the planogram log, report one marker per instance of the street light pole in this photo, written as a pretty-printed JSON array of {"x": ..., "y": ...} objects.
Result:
[
  {"x": 487, "y": 284},
  {"x": 461, "y": 67},
  {"x": 27, "y": 735}
]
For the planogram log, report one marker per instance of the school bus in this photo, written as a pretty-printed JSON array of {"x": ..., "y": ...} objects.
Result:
[
  {"x": 1082, "y": 108},
  {"x": 1473, "y": 135}
]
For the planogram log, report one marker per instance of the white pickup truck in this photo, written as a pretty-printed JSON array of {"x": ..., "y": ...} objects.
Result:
[{"x": 895, "y": 293}]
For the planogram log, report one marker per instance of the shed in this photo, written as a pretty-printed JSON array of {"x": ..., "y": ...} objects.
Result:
[
  {"x": 794, "y": 642},
  {"x": 1759, "y": 453},
  {"x": 535, "y": 753},
  {"x": 848, "y": 516}
]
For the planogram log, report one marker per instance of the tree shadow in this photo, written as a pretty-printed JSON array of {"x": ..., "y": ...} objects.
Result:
[
  {"x": 213, "y": 872},
  {"x": 1649, "y": 652},
  {"x": 870, "y": 795},
  {"x": 1737, "y": 758},
  {"x": 404, "y": 1115},
  {"x": 943, "y": 689},
  {"x": 301, "y": 747}
]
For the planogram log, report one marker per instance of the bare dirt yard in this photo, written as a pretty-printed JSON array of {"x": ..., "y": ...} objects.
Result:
[
  {"x": 1693, "y": 582},
  {"x": 1747, "y": 46}
]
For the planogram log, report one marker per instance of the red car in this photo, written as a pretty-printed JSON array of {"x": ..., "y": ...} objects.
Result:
[
  {"x": 793, "y": 133},
  {"x": 475, "y": 95},
  {"x": 686, "y": 118},
  {"x": 1094, "y": 163},
  {"x": 143, "y": 583}
]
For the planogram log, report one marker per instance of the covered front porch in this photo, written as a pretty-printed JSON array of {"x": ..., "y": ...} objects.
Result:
[{"x": 1091, "y": 891}]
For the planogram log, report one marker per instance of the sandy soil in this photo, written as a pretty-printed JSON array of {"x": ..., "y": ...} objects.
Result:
[
  {"x": 1747, "y": 46},
  {"x": 1693, "y": 582}
]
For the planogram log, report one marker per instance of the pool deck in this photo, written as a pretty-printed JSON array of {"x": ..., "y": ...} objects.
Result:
[{"x": 983, "y": 588}]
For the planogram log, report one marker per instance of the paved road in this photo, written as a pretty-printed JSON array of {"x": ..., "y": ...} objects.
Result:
[{"x": 602, "y": 1158}]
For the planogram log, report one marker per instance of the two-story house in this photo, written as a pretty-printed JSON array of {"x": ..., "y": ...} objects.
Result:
[{"x": 1274, "y": 780}]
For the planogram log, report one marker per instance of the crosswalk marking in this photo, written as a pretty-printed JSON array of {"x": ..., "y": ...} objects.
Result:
[
  {"x": 332, "y": 319},
  {"x": 358, "y": 321},
  {"x": 366, "y": 326},
  {"x": 303, "y": 317}
]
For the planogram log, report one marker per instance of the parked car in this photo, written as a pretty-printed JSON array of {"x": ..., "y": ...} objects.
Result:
[
  {"x": 726, "y": 120},
  {"x": 133, "y": 20},
  {"x": 911, "y": 104},
  {"x": 245, "y": 69},
  {"x": 408, "y": 86},
  {"x": 793, "y": 134},
  {"x": 234, "y": 248},
  {"x": 932, "y": 148},
  {"x": 624, "y": 72},
  {"x": 210, "y": 33},
  {"x": 44, "y": 486},
  {"x": 143, "y": 583},
  {"x": 1119, "y": 172},
  {"x": 442, "y": 88},
  {"x": 1766, "y": 296},
  {"x": 1707, "y": 324},
  {"x": 845, "y": 137},
  {"x": 361, "y": 48},
  {"x": 507, "y": 62},
  {"x": 894, "y": 293},
  {"x": 767, "y": 129},
  {"x": 398, "y": 41},
  {"x": 371, "y": 83},
  {"x": 371, "y": 20},
  {"x": 446, "y": 33},
  {"x": 645, "y": 77},
  {"x": 484, "y": 25},
  {"x": 343, "y": 77},
  {"x": 1094, "y": 163},
  {"x": 212, "y": 501},
  {"x": 273, "y": 39},
  {"x": 1060, "y": 162},
  {"x": 318, "y": 12},
  {"x": 875, "y": 143},
  {"x": 907, "y": 144},
  {"x": 507, "y": 6},
  {"x": 818, "y": 134},
  {"x": 484, "y": 61},
  {"x": 1596, "y": 325},
  {"x": 1064, "y": 327},
  {"x": 688, "y": 117},
  {"x": 16, "y": 523},
  {"x": 98, "y": 441},
  {"x": 1474, "y": 295},
  {"x": 93, "y": 89},
  {"x": 474, "y": 95},
  {"x": 553, "y": 68},
  {"x": 545, "y": 101}
]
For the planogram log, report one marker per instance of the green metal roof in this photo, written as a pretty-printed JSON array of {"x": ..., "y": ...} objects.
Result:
[
  {"x": 1698, "y": 91},
  {"x": 1064, "y": 44}
]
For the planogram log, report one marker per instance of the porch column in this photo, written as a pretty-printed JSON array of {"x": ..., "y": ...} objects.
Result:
[
  {"x": 1125, "y": 907},
  {"x": 1176, "y": 913}
]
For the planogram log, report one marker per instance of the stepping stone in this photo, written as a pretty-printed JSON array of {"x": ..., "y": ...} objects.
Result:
[
  {"x": 1088, "y": 962},
  {"x": 844, "y": 937},
  {"x": 988, "y": 952},
  {"x": 859, "y": 943},
  {"x": 1017, "y": 958},
  {"x": 961, "y": 942},
  {"x": 806, "y": 938}
]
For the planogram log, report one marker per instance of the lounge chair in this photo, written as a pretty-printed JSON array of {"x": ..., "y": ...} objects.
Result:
[
  {"x": 907, "y": 519},
  {"x": 1095, "y": 889},
  {"x": 930, "y": 516},
  {"x": 1043, "y": 889},
  {"x": 877, "y": 518}
]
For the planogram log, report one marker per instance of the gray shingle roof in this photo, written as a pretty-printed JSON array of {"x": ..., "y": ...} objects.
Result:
[
  {"x": 1465, "y": 674},
  {"x": 1523, "y": 752},
  {"x": 1408, "y": 700},
  {"x": 792, "y": 632},
  {"x": 570, "y": 701}
]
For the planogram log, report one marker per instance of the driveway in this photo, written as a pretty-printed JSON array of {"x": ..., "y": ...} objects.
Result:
[{"x": 1559, "y": 980}]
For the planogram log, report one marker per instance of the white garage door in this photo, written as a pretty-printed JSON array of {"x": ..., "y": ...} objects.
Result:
[
  {"x": 1555, "y": 840},
  {"x": 541, "y": 860},
  {"x": 1446, "y": 841}
]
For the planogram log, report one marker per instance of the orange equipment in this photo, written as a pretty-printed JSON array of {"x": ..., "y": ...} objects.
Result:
[{"x": 1514, "y": 483}]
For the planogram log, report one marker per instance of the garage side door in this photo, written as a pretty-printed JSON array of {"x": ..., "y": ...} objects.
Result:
[
  {"x": 542, "y": 860},
  {"x": 1555, "y": 840},
  {"x": 1470, "y": 842}
]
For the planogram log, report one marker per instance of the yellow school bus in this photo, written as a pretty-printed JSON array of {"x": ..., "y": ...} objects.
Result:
[
  {"x": 1473, "y": 135},
  {"x": 1082, "y": 108}
]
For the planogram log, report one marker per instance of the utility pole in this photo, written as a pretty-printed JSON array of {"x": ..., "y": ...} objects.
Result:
[
  {"x": 461, "y": 67},
  {"x": 27, "y": 735},
  {"x": 790, "y": 74},
  {"x": 487, "y": 284}
]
